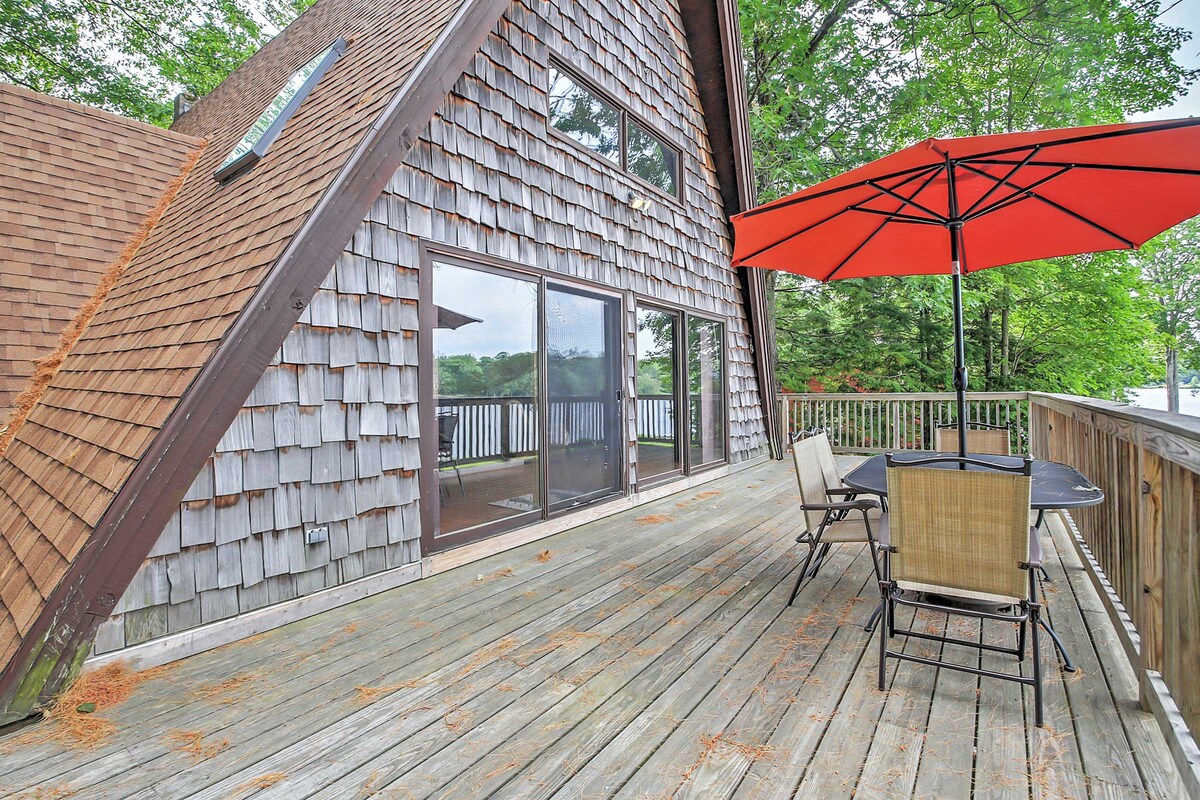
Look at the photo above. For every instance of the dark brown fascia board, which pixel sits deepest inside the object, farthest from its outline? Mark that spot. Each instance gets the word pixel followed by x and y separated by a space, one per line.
pixel 714 35
pixel 129 527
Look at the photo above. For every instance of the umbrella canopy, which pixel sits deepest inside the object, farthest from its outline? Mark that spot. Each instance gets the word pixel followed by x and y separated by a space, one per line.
pixel 453 320
pixel 950 206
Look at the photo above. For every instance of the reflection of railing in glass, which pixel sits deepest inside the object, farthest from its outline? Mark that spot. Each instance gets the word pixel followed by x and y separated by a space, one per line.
pixel 656 418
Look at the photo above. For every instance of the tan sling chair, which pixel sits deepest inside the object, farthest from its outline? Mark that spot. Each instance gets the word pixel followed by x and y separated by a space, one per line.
pixel 981 438
pixel 828 521
pixel 962 534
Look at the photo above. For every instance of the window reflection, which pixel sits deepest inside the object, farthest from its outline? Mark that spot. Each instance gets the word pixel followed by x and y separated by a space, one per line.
pixel 706 391
pixel 584 117
pixel 485 343
pixel 651 159
pixel 658 447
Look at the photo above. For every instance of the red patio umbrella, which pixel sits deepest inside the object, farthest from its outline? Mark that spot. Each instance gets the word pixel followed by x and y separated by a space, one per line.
pixel 951 206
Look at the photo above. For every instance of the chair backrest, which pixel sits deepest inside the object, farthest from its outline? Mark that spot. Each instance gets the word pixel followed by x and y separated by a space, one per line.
pixel 812 475
pixel 447 425
pixel 985 441
pixel 960 529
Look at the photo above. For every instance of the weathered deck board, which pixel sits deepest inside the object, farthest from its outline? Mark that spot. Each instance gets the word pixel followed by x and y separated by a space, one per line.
pixel 651 659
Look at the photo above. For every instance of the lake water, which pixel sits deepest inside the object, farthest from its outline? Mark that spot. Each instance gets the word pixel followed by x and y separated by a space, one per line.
pixel 1189 400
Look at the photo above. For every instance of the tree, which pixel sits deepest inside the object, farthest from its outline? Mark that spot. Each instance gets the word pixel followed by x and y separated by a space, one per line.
pixel 835 83
pixel 133 57
pixel 1171 268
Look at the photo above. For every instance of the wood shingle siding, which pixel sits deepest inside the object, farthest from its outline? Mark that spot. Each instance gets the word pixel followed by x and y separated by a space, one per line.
pixel 328 436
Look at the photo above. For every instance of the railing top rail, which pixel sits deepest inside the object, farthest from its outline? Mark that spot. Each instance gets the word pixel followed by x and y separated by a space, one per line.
pixel 1181 425
pixel 880 396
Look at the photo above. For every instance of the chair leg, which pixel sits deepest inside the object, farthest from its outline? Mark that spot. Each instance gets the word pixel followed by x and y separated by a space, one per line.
pixel 1035 619
pixel 458 473
pixel 812 548
pixel 1021 640
pixel 883 636
pixel 820 560
pixel 874 620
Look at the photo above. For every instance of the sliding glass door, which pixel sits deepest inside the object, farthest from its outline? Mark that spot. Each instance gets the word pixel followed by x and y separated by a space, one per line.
pixel 706 392
pixel 582 378
pixel 525 405
pixel 486 389
pixel 659 451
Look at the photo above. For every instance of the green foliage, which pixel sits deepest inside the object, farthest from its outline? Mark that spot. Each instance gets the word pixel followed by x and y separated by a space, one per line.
pixel 133 57
pixel 836 83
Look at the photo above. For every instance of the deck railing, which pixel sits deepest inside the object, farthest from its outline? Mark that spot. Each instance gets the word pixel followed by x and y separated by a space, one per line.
pixel 878 422
pixel 1143 541
pixel 1146 535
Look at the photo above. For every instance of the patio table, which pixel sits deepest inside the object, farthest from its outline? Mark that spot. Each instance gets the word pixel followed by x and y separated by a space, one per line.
pixel 1054 486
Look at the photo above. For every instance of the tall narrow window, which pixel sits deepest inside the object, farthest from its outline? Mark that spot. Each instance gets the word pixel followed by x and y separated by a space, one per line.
pixel 485 347
pixel 659 452
pixel 706 391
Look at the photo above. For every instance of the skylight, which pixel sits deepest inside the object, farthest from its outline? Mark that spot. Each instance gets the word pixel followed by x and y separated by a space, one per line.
pixel 253 146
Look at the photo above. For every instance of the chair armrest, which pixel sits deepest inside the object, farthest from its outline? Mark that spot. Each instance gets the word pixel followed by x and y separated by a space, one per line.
pixel 841 491
pixel 846 505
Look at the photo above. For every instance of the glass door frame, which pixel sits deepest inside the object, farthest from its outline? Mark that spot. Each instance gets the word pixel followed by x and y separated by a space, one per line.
pixel 432 540
pixel 680 379
pixel 683 420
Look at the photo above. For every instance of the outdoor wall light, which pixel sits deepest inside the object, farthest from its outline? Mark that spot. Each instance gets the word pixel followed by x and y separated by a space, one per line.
pixel 639 203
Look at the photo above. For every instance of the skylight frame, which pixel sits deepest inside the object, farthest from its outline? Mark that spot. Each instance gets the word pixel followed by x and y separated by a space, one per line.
pixel 248 159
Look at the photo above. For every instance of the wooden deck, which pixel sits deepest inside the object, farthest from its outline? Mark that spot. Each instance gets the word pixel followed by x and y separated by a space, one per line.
pixel 648 655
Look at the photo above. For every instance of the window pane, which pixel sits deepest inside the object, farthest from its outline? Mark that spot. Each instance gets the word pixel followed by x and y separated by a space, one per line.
pixel 658 446
pixel 584 117
pixel 652 159
pixel 706 391
pixel 581 381
pixel 485 347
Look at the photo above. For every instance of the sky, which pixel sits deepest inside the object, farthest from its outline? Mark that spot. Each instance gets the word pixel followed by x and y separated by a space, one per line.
pixel 1184 14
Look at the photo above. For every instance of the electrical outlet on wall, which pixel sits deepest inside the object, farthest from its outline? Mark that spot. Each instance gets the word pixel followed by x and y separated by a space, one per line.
pixel 316 535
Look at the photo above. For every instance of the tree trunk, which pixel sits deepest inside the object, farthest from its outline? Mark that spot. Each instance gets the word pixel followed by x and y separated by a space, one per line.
pixel 1172 380
pixel 989 350
pixel 1004 371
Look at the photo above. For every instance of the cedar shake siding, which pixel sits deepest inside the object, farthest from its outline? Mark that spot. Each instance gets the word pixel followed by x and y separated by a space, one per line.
pixel 330 434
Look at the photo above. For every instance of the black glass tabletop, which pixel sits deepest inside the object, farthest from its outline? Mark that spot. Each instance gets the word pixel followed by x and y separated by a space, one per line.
pixel 1055 485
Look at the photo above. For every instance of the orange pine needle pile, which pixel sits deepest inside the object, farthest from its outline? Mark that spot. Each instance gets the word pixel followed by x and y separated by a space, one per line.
pixel 193 744
pixel 369 694
pixel 103 688
pixel 654 519
pixel 543 557
pixel 227 692
pixel 265 781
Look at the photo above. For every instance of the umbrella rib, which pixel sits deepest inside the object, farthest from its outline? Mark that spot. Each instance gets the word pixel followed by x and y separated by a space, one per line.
pixel 913 173
pixel 1109 167
pixel 908 201
pixel 1166 126
pixel 874 233
pixel 1016 168
pixel 1015 197
pixel 829 218
pixel 895 216
pixel 1059 206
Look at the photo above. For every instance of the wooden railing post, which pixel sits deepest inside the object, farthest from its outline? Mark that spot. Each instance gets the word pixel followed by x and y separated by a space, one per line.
pixel 1150 559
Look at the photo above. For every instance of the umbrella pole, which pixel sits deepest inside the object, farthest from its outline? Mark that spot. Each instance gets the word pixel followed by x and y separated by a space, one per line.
pixel 960 350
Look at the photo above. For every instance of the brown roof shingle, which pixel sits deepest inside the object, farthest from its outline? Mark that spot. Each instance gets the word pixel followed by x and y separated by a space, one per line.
pixel 189 282
pixel 75 185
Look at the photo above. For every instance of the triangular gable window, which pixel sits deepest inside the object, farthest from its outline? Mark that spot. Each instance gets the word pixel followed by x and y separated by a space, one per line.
pixel 253 146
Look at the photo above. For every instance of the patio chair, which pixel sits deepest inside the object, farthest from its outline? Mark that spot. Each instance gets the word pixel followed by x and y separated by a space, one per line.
pixel 981 438
pixel 826 521
pixel 447 429
pixel 962 537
